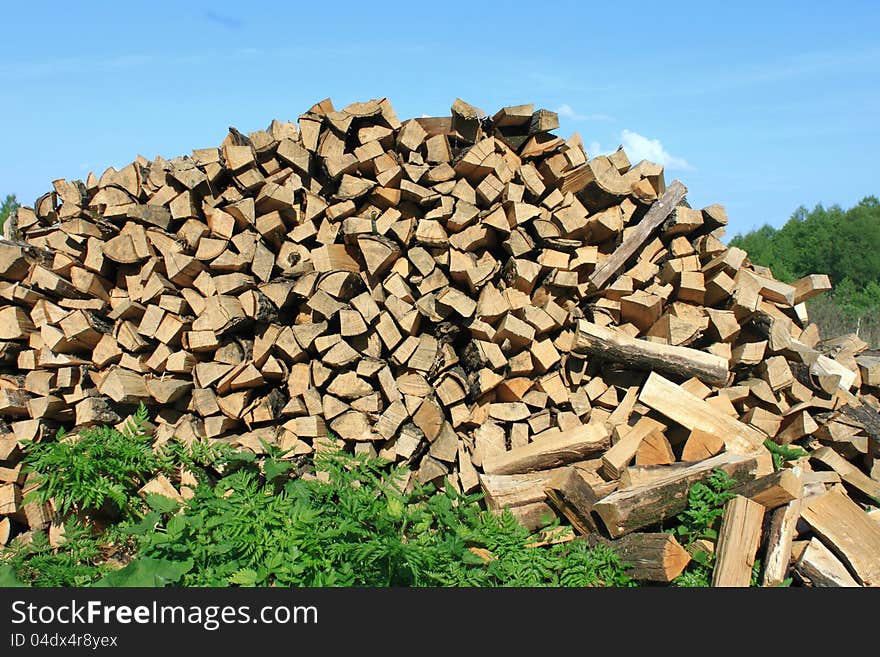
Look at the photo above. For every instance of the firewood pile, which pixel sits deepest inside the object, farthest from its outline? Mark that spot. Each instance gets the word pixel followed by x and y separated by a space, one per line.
pixel 470 295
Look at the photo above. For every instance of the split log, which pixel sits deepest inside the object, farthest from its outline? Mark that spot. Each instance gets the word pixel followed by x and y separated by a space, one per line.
pixel 561 449
pixel 818 565
pixel 624 450
pixel 573 497
pixel 851 475
pixel 651 557
pixel 773 490
pixel 655 216
pixel 848 531
pixel 738 541
pixel 781 531
pixel 629 509
pixel 615 346
pixel 693 413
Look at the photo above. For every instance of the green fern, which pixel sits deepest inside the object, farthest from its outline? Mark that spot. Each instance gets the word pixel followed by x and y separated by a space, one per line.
pixel 782 453
pixel 700 521
pixel 97 470
pixel 258 525
pixel 78 562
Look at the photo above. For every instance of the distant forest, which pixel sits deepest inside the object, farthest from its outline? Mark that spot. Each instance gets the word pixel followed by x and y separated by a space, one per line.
pixel 845 244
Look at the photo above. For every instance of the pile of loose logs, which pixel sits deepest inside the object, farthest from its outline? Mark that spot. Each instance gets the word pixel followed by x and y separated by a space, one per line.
pixel 469 295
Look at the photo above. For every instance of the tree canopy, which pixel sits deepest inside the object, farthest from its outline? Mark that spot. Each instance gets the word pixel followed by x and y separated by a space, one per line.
pixel 845 244
pixel 7 208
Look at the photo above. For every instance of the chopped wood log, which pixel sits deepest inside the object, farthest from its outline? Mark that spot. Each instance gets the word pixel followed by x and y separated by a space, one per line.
pixel 810 286
pixel 651 557
pixel 654 450
pixel 818 565
pixel 504 491
pixel 625 449
pixel 655 216
pixel 124 387
pixel 630 509
pixel 617 347
pixel 701 445
pixel 738 541
pixel 573 497
pixel 560 449
pixel 693 413
pixel 869 368
pixel 848 532
pixel 851 475
pixel 160 485
pixel 773 490
pixel 781 531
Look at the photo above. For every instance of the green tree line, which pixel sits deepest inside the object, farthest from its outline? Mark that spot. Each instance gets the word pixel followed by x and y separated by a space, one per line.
pixel 843 243
pixel 7 208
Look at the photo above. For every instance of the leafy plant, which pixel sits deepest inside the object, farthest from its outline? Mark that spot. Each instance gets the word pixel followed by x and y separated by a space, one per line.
pixel 705 507
pixel 8 208
pixel 358 529
pixel 349 523
pixel 80 561
pixel 98 469
pixel 699 521
pixel 782 453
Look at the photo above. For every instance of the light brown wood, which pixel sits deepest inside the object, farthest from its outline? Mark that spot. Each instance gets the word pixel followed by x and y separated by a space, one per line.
pixel 848 532
pixel 818 565
pixel 810 286
pixel 572 495
pixel 738 541
pixel 654 450
pixel 780 532
pixel 701 445
pixel 654 557
pixel 773 490
pixel 563 448
pixel 624 450
pixel 693 413
pixel 630 509
pixel 658 213
pixel 850 474
pixel 617 347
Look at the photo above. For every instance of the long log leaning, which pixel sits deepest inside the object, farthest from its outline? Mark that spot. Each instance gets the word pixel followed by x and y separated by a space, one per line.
pixel 618 347
pixel 652 220
pixel 693 413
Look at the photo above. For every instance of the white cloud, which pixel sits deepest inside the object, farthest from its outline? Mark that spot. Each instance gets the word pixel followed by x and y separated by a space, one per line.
pixel 594 148
pixel 566 111
pixel 638 147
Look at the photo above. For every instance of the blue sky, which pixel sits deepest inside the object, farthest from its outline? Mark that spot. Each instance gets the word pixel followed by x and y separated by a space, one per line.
pixel 759 106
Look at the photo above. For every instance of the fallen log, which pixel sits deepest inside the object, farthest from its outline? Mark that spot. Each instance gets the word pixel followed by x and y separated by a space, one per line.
pixel 619 348
pixel 627 510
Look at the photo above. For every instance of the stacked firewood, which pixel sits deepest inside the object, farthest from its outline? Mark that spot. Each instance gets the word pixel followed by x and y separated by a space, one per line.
pixel 469 295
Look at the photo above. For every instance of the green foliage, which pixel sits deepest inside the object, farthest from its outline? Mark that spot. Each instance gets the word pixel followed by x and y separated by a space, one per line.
pixel 700 521
pixel 358 529
pixel 845 244
pixel 7 208
pixel 99 469
pixel 705 507
pixel 783 453
pixel 146 572
pixel 258 525
pixel 79 562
